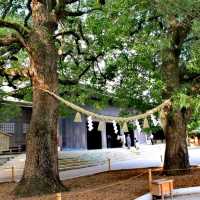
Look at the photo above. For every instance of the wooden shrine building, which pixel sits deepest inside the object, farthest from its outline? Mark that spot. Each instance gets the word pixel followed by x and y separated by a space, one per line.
pixel 71 135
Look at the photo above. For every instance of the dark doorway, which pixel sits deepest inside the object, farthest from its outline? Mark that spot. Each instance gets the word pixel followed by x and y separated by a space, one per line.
pixel 112 141
pixel 158 135
pixel 131 133
pixel 94 137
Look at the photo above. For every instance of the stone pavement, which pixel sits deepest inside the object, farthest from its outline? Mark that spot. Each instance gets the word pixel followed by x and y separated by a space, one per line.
pixel 186 197
pixel 6 169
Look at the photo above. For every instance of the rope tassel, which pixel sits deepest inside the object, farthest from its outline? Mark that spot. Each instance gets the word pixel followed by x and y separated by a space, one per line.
pixel 101 126
pixel 77 117
pixel 125 127
pixel 163 119
pixel 146 123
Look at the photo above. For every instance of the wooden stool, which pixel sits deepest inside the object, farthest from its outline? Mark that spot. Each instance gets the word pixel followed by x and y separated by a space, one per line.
pixel 162 187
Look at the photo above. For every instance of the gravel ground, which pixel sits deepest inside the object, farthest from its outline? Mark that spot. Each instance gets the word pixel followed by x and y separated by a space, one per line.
pixel 114 185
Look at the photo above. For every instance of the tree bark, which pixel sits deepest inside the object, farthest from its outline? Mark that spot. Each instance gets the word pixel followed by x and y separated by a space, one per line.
pixel 176 153
pixel 41 173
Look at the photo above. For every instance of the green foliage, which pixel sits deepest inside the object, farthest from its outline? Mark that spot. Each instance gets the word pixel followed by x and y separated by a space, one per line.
pixel 179 8
pixel 9 111
pixel 133 42
pixel 65 112
pixel 130 36
pixel 194 127
pixel 17 11
pixel 182 100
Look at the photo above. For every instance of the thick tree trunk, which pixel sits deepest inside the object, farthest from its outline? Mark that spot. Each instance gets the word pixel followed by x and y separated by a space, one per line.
pixel 41 173
pixel 176 153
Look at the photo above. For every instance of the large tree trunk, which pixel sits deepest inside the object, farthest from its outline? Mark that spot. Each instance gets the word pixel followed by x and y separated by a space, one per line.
pixel 176 153
pixel 41 173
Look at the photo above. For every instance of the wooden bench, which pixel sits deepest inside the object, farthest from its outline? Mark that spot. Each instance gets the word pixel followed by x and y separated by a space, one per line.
pixel 14 149
pixel 162 187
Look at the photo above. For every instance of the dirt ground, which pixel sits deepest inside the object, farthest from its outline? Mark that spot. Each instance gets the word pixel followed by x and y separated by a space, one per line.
pixel 113 185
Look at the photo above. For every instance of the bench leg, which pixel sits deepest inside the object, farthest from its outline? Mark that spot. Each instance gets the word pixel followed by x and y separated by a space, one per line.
pixel 162 192
pixel 171 191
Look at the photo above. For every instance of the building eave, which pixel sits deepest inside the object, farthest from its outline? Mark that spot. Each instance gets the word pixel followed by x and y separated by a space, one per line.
pixel 3 133
pixel 18 102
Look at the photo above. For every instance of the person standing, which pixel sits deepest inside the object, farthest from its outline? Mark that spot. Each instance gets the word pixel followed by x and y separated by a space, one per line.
pixel 128 141
pixel 151 138
pixel 135 142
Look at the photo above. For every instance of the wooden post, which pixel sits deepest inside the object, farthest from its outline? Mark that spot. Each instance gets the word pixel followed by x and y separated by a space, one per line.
pixel 150 179
pixel 196 142
pixel 171 189
pixel 162 192
pixel 13 174
pixel 161 159
pixel 109 164
pixel 58 196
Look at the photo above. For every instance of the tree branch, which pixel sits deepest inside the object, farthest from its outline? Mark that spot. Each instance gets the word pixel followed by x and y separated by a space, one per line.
pixel 80 27
pixel 15 26
pixel 195 38
pixel 141 23
pixel 75 81
pixel 196 87
pixel 12 75
pixel 70 1
pixel 73 33
pixel 79 12
pixel 92 59
pixel 83 72
pixel 70 53
pixel 18 93
pixel 61 3
pixel 68 81
pixel 8 40
pixel 60 7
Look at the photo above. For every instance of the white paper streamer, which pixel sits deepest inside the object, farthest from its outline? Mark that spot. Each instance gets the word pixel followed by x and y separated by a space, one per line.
pixel 115 127
pixel 90 124
pixel 138 126
pixel 154 120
